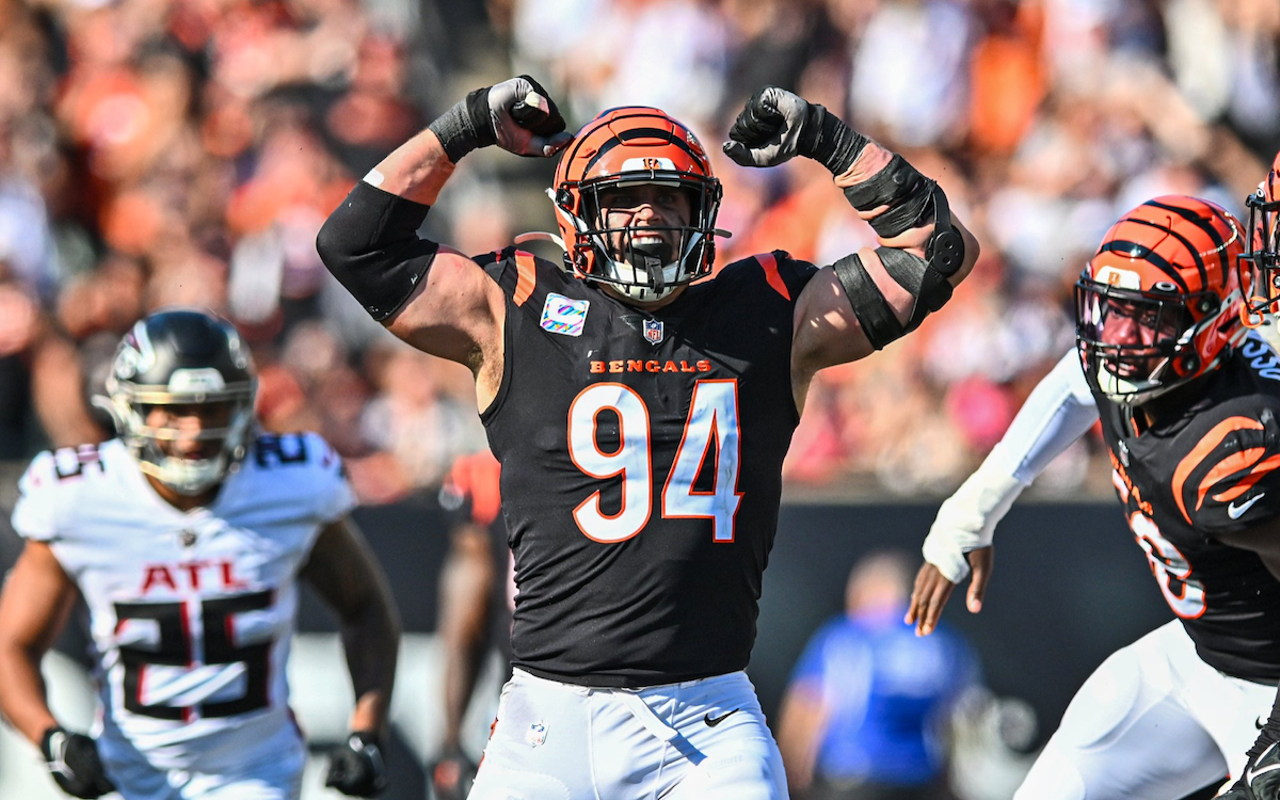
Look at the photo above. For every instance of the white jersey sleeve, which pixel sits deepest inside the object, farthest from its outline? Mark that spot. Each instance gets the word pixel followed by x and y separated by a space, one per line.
pixel 336 498
pixel 48 488
pixel 1058 411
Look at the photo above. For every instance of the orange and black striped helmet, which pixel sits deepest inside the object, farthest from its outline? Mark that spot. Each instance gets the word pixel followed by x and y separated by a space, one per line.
pixel 1159 303
pixel 1262 250
pixel 624 147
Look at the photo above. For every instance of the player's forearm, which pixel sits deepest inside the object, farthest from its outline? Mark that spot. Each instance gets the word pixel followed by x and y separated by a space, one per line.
pixel 465 587
pixel 924 251
pixel 23 693
pixel 371 640
pixel 416 170
pixel 1057 413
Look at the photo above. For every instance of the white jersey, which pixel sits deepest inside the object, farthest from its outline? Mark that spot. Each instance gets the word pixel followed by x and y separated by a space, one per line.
pixel 190 613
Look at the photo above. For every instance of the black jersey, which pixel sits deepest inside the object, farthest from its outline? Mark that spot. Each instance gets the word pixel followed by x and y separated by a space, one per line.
pixel 1207 471
pixel 641 467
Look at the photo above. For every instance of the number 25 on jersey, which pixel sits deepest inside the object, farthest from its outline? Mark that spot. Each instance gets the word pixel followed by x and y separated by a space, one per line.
pixel 712 422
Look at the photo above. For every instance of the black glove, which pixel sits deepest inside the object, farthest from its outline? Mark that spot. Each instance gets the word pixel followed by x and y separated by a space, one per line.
pixel 73 760
pixel 517 115
pixel 452 776
pixel 356 766
pixel 1261 778
pixel 776 125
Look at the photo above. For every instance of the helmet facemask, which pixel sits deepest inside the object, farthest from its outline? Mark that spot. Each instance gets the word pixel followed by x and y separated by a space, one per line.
pixel 647 262
pixel 1138 345
pixel 1262 254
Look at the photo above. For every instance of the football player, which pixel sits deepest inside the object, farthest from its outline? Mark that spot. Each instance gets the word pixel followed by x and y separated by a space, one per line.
pixel 185 536
pixel 640 414
pixel 475 606
pixel 1261 777
pixel 1189 402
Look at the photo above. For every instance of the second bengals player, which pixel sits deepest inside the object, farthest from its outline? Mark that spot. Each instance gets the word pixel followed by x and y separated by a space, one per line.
pixel 1189 402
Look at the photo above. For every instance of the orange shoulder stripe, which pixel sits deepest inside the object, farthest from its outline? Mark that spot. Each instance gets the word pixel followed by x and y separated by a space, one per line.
pixel 528 277
pixel 769 263
pixel 1248 482
pixel 1205 446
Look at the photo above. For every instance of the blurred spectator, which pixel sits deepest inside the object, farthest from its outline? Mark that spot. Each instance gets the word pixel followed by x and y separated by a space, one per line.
pixel 867 712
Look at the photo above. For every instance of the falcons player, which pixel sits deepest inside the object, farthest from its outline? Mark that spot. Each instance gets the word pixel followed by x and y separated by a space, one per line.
pixel 1189 402
pixel 185 537
pixel 640 414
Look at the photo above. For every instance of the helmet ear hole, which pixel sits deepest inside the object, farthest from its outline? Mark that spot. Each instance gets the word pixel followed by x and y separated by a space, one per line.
pixel 1189 364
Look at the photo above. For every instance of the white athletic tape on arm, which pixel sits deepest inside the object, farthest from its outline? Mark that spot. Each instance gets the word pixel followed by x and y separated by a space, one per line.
pixel 967 519
pixel 1058 411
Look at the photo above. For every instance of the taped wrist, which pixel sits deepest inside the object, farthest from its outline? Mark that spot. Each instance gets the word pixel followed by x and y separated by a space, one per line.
pixel 828 140
pixel 908 195
pixel 370 244
pixel 466 126
pixel 967 519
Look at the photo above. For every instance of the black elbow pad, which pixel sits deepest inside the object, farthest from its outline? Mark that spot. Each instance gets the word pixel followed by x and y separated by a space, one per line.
pixel 370 243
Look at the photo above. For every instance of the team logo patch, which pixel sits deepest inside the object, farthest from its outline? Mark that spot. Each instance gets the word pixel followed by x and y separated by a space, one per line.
pixel 653 331
pixel 536 735
pixel 1119 278
pixel 564 315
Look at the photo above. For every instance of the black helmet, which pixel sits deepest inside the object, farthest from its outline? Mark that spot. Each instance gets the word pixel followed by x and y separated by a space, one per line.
pixel 182 356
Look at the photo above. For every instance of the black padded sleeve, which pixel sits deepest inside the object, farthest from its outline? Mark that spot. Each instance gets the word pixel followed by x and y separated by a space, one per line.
pixel 370 243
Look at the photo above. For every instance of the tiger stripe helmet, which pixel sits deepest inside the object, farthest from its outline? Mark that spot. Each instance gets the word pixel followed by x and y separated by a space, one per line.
pixel 1159 304
pixel 1262 250
pixel 627 146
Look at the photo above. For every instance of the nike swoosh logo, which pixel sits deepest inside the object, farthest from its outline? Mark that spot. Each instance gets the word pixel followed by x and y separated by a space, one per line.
pixel 1236 511
pixel 712 722
pixel 1251 774
pixel 1260 722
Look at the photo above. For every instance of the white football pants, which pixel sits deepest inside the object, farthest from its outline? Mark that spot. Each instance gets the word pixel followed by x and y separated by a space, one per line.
pixel 1154 722
pixel 699 740
pixel 267 770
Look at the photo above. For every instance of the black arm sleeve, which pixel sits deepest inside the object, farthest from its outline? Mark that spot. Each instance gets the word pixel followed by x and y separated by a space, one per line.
pixel 370 243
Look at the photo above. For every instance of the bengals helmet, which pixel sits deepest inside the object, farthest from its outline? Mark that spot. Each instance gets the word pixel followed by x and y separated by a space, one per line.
pixel 1158 304
pixel 624 147
pixel 1263 247
pixel 182 357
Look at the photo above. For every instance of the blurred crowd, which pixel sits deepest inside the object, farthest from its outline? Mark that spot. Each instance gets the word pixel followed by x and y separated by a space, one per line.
pixel 160 152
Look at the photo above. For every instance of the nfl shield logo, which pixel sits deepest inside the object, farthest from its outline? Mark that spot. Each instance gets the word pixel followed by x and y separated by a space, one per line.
pixel 653 331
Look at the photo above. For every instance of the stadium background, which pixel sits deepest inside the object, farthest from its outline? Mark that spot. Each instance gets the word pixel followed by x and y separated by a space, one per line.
pixel 155 152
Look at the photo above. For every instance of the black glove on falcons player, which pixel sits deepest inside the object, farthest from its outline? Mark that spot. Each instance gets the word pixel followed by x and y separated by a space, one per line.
pixel 356 766
pixel 776 125
pixel 517 115
pixel 73 760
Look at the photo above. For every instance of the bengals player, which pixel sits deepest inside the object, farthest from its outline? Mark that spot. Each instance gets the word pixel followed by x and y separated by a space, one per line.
pixel 1262 247
pixel 1189 402
pixel 640 407
pixel 1261 779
